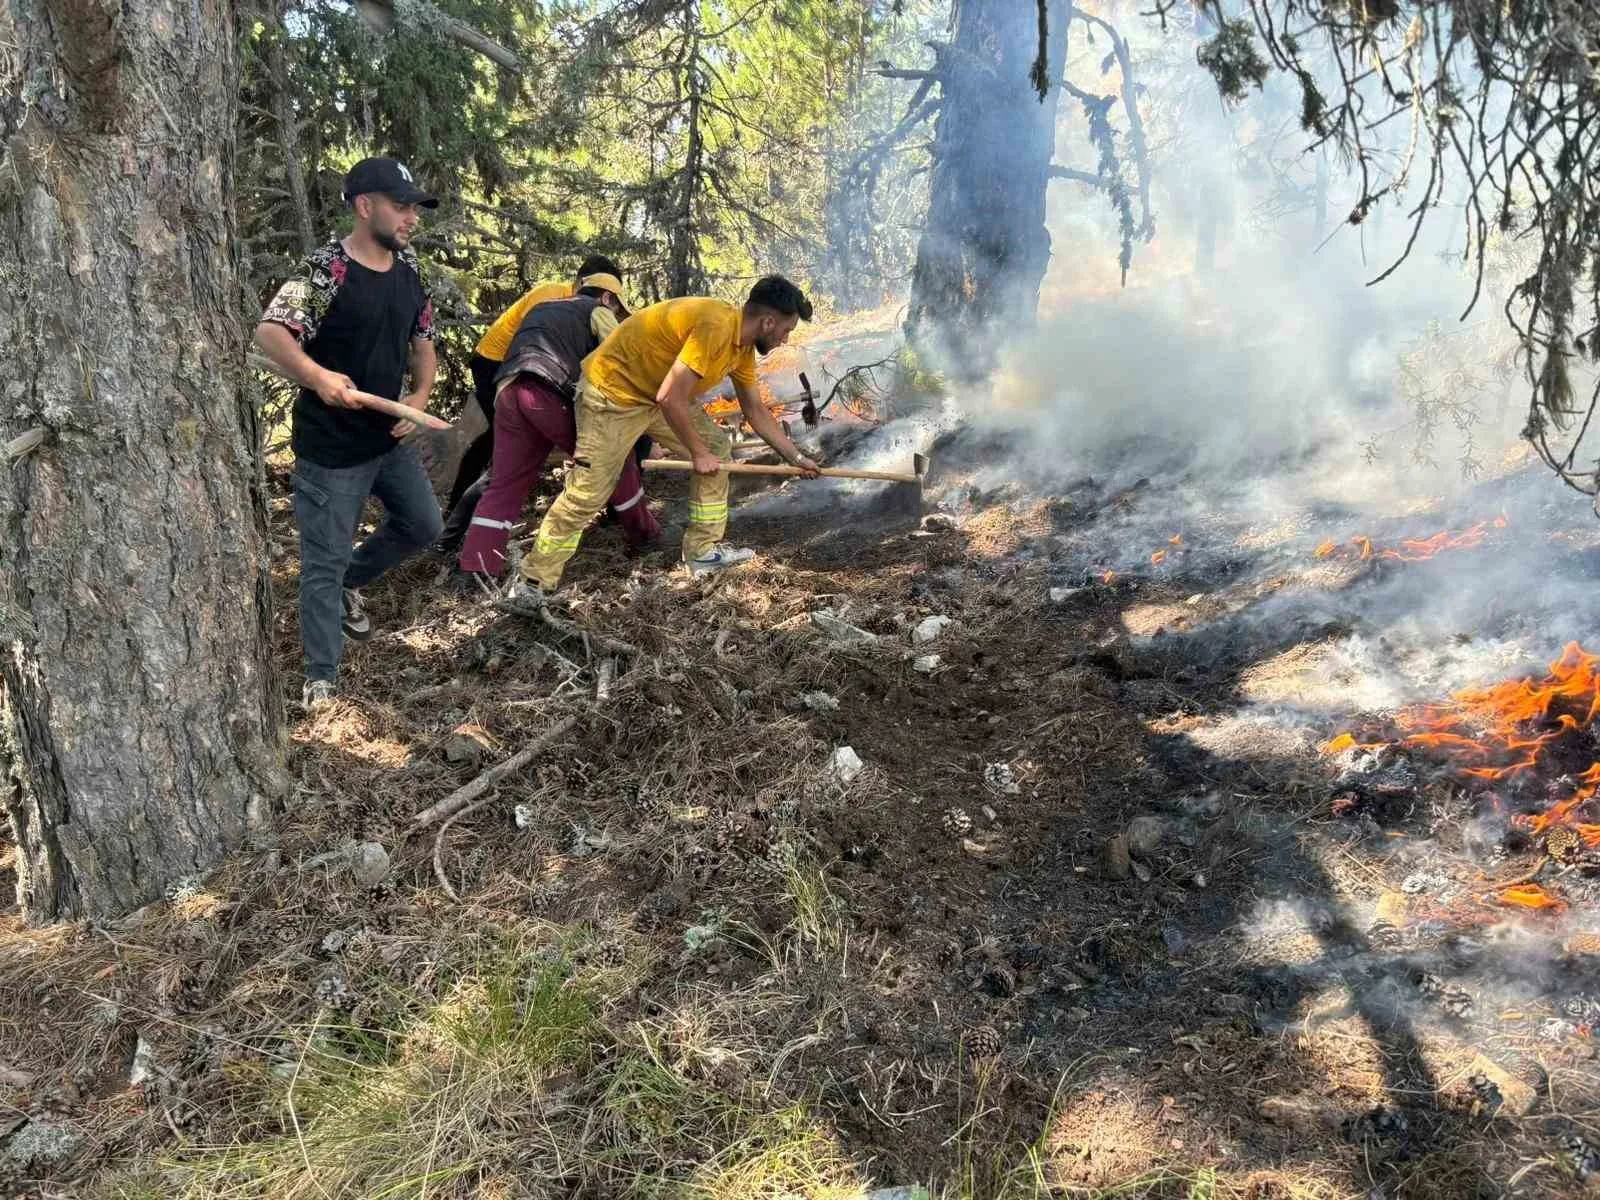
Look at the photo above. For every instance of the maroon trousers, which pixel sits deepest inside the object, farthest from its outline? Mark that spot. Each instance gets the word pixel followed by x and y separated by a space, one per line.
pixel 530 420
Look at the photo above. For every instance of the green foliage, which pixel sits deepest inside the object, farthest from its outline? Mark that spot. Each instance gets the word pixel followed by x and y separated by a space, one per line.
pixel 695 140
pixel 1233 59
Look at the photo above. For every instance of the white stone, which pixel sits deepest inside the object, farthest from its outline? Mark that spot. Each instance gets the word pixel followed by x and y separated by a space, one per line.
pixel 369 863
pixel 143 1068
pixel 1062 595
pixel 929 628
pixel 846 764
pixel 926 663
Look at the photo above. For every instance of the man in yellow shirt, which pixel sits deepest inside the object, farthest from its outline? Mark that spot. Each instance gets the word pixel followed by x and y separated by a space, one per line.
pixel 646 379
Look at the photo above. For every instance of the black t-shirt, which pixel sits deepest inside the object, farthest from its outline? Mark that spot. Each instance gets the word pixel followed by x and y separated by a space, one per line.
pixel 360 322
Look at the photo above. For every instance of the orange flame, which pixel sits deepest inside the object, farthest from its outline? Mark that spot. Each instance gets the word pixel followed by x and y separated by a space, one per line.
pixel 1485 732
pixel 1108 577
pixel 1159 557
pixel 1414 549
pixel 1529 895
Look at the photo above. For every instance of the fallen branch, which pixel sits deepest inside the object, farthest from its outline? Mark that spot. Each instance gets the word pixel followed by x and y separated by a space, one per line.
pixel 470 791
pixel 572 629
pixel 438 848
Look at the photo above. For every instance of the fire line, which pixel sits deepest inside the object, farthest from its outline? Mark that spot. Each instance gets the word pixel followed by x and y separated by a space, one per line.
pixel 1360 546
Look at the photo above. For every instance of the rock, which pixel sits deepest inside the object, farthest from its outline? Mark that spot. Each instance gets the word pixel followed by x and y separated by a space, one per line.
pixel 929 628
pixel 845 764
pixel 469 744
pixel 841 631
pixel 1119 865
pixel 926 663
pixel 1063 594
pixel 819 702
pixel 12 1077
pixel 523 816
pixel 1205 807
pixel 913 1191
pixel 143 1068
pixel 938 522
pixel 1145 835
pixel 1303 1114
pixel 369 863
pixel 1517 1096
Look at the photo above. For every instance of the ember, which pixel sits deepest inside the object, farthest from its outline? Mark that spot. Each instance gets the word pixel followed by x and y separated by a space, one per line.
pixel 1412 549
pixel 1160 556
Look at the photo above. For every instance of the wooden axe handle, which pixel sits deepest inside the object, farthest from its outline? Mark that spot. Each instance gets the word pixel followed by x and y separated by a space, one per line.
pixel 739 468
pixel 403 412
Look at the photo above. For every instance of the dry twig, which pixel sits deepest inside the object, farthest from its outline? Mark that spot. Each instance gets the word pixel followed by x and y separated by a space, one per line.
pixel 470 791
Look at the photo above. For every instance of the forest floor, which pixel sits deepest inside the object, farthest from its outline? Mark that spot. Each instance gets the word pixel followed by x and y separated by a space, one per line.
pixel 1027 949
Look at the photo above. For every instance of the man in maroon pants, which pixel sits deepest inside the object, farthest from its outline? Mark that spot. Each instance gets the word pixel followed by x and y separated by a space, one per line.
pixel 533 415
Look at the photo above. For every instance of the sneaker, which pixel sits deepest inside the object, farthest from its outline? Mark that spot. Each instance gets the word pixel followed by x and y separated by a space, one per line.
pixel 472 585
pixel 357 625
pixel 317 694
pixel 718 558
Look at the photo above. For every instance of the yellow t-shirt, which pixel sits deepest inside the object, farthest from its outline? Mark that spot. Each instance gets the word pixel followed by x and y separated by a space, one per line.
pixel 495 343
pixel 701 333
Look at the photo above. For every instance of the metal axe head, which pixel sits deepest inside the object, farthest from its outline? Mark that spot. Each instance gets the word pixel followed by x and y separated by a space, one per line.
pixel 808 411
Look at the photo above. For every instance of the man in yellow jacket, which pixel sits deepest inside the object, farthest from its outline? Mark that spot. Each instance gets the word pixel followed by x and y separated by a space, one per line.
pixel 646 378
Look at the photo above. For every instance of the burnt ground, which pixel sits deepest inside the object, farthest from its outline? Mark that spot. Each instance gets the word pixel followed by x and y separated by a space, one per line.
pixel 1076 928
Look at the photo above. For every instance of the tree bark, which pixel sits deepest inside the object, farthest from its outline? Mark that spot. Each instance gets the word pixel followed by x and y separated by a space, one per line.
pixel 984 249
pixel 289 136
pixel 138 715
pixel 684 275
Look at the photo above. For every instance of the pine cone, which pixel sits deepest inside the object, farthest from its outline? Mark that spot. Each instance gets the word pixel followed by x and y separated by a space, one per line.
pixel 727 829
pixel 333 991
pixel 956 822
pixel 980 1041
pixel 1563 844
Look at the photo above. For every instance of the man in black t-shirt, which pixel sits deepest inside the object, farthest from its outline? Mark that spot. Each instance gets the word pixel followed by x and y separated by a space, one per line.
pixel 357 319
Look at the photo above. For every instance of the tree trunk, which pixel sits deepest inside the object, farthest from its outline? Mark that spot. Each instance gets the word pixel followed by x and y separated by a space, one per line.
pixel 138 713
pixel 289 136
pixel 684 275
pixel 984 249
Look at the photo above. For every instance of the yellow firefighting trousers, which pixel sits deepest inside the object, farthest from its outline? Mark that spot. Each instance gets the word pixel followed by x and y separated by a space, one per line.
pixel 606 436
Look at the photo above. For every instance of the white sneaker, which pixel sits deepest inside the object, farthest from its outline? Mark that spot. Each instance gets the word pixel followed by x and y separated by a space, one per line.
pixel 357 625
pixel 718 558
pixel 317 694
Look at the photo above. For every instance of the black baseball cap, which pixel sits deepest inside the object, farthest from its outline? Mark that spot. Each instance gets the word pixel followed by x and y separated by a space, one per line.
pixel 386 175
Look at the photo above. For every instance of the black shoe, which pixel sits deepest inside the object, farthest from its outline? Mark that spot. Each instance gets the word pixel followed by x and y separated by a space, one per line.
pixel 472 585
pixel 357 625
